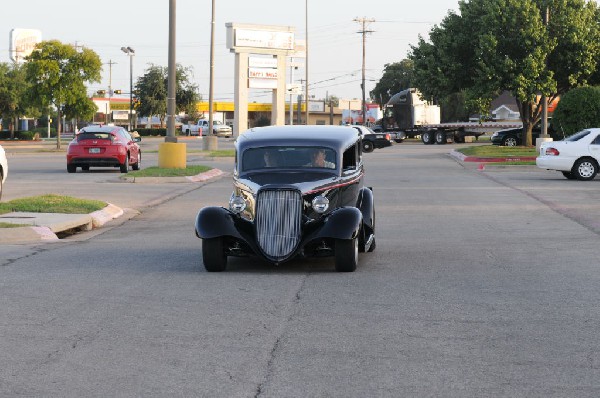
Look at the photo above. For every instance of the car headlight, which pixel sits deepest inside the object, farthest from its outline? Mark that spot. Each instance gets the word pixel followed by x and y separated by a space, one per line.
pixel 237 204
pixel 320 204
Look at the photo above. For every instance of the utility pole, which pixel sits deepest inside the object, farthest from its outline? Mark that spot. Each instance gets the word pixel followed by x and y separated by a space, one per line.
pixel 110 63
pixel 364 21
pixel 306 58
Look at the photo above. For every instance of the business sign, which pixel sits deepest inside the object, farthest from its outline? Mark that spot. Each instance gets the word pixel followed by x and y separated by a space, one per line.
pixel 262 62
pixel 22 43
pixel 276 40
pixel 262 72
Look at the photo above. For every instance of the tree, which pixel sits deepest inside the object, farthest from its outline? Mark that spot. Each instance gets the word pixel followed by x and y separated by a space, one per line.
pixel 151 92
pixel 13 86
pixel 396 77
pixel 578 109
pixel 496 45
pixel 58 73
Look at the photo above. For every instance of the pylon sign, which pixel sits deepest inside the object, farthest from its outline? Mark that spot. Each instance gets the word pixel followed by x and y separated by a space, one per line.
pixel 267 70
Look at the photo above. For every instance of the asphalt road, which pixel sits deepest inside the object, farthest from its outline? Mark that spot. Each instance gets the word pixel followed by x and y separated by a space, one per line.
pixel 484 283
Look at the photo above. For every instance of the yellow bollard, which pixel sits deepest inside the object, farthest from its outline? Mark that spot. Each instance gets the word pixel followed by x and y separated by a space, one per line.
pixel 172 155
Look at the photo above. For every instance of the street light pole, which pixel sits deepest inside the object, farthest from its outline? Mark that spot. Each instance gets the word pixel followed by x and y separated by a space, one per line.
pixel 130 52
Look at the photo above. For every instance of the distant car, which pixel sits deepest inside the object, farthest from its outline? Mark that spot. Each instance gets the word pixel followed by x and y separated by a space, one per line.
pixel 576 157
pixel 104 146
pixel 298 191
pixel 513 137
pixel 372 140
pixel 221 130
pixel 3 169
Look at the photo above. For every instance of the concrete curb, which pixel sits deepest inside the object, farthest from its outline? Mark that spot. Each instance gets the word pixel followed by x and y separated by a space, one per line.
pixel 202 177
pixel 464 158
pixel 45 226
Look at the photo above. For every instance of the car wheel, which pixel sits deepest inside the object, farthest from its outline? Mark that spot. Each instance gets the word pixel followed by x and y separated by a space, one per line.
pixel 569 175
pixel 137 164
pixel 125 165
pixel 187 132
pixel 0 186
pixel 367 146
pixel 440 137
pixel 509 141
pixel 346 255
pixel 398 140
pixel 428 138
pixel 213 255
pixel 585 169
pixel 71 168
pixel 85 168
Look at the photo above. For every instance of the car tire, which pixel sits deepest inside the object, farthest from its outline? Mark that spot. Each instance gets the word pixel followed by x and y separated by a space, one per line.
pixel 136 165
pixel 346 255
pixel 585 169
pixel 509 141
pixel 368 146
pixel 125 165
pixel 213 255
pixel 568 175
pixel 428 137
pixel 71 168
pixel 187 132
pixel 440 137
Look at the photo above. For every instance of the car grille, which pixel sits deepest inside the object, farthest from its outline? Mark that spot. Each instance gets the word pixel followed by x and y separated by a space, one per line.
pixel 278 222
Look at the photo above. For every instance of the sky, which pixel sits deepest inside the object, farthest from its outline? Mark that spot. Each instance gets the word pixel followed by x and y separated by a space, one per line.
pixel 334 41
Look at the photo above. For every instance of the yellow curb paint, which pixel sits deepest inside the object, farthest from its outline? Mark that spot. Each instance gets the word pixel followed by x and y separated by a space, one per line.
pixel 172 155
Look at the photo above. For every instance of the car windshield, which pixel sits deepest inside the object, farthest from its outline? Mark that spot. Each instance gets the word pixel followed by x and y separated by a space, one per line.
pixel 577 136
pixel 288 157
pixel 88 135
pixel 215 122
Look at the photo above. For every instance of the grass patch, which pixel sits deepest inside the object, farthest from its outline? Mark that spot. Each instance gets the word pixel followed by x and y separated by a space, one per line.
pixel 52 204
pixel 222 153
pixel 162 172
pixel 496 151
pixel 9 225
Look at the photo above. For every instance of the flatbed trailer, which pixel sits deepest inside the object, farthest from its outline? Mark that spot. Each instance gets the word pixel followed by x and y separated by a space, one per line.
pixel 443 133
pixel 407 115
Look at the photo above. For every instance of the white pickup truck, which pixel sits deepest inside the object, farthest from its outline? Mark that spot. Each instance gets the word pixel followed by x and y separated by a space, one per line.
pixel 201 128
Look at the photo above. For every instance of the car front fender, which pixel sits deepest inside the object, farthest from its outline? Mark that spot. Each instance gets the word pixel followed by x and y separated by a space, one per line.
pixel 343 223
pixel 212 222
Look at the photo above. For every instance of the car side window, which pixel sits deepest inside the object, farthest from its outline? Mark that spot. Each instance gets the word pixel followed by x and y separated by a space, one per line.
pixel 126 135
pixel 596 140
pixel 350 158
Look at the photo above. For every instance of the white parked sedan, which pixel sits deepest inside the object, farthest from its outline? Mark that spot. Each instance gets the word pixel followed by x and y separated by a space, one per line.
pixel 577 156
pixel 3 169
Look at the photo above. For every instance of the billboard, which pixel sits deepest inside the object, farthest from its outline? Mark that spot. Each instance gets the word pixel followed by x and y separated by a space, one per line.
pixel 22 43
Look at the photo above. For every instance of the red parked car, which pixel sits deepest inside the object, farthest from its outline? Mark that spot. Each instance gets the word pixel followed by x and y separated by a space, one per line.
pixel 104 146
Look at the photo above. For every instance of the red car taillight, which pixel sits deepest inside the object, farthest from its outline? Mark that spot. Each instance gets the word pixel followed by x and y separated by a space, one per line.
pixel 552 151
pixel 387 137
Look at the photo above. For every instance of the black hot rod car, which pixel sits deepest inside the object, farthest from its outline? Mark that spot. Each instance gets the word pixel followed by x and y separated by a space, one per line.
pixel 297 191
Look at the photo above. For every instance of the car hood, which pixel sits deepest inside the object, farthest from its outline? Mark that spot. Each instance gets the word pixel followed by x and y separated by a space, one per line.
pixel 305 182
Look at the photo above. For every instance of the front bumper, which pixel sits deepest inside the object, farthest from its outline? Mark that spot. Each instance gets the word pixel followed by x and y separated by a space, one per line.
pixel 241 240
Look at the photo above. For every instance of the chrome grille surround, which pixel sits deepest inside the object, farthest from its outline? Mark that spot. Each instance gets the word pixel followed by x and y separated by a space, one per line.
pixel 278 222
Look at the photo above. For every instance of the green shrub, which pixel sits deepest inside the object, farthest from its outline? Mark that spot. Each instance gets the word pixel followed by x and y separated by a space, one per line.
pixel 578 109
